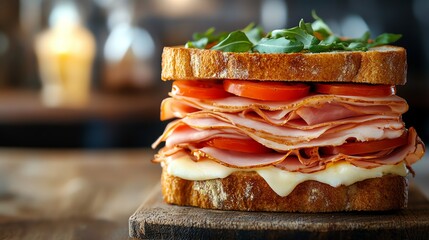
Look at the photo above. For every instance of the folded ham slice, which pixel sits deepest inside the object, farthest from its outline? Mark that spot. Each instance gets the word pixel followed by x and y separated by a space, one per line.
pixel 293 130
pixel 206 125
pixel 295 160
pixel 312 109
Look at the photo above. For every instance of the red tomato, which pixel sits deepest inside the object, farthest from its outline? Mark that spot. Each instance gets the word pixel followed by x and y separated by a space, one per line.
pixel 204 89
pixel 351 89
pixel 239 145
pixel 356 148
pixel 268 91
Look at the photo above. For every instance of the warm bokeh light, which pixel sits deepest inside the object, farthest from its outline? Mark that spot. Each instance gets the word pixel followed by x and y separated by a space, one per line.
pixel 65 54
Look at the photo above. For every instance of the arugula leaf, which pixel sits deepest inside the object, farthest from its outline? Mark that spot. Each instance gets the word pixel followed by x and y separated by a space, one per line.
pixel 302 36
pixel 302 33
pixel 207 34
pixel 321 48
pixel 365 37
pixel 306 27
pixel 328 44
pixel 200 40
pixel 313 37
pixel 301 30
pixel 254 34
pixel 235 42
pixel 249 27
pixel 278 45
pixel 202 43
pixel 385 38
pixel 357 46
pixel 320 26
pixel 333 43
pixel 331 39
pixel 277 33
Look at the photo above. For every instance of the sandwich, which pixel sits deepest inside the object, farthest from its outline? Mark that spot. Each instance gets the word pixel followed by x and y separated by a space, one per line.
pixel 295 120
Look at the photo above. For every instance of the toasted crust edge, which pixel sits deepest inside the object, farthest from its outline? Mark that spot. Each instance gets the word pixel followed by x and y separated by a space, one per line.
pixel 380 65
pixel 247 191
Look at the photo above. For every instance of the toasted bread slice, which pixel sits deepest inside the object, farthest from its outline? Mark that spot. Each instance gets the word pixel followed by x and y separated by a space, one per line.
pixel 380 65
pixel 247 191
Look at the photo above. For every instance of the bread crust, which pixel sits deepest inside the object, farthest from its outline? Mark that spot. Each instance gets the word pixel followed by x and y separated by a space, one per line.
pixel 380 65
pixel 247 191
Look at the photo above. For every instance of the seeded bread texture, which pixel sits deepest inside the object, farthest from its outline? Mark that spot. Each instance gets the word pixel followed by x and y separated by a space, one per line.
pixel 247 191
pixel 380 65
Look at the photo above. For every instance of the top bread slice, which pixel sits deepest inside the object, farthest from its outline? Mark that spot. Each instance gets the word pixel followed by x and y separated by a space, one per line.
pixel 379 65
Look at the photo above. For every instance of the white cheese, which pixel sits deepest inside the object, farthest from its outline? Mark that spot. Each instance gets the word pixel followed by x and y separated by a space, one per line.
pixel 283 182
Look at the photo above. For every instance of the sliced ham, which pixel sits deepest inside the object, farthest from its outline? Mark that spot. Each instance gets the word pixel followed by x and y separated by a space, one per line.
pixel 325 113
pixel 238 159
pixel 333 107
pixel 294 130
pixel 190 135
pixel 238 104
pixel 294 160
pixel 292 164
pixel 204 124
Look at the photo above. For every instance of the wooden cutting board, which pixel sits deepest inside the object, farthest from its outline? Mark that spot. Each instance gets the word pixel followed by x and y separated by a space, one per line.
pixel 158 220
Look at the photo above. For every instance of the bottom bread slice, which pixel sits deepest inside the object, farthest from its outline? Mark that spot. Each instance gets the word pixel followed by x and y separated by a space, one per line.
pixel 247 191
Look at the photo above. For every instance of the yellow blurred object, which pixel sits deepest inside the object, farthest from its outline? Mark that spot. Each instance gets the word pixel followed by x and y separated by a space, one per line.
pixel 65 54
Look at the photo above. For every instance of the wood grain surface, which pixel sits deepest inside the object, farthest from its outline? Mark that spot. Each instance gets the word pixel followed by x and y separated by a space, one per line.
pixel 63 229
pixel 72 194
pixel 157 220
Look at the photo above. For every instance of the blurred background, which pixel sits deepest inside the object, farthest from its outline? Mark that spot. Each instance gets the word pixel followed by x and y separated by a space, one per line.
pixel 106 55
pixel 84 75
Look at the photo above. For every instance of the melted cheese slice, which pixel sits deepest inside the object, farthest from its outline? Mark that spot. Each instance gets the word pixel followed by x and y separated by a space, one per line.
pixel 282 182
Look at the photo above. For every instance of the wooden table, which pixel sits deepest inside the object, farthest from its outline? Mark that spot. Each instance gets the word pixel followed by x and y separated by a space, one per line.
pixel 72 194
pixel 79 194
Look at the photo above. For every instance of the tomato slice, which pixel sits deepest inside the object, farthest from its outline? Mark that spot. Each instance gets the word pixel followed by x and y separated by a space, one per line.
pixel 351 89
pixel 268 91
pixel 356 148
pixel 239 145
pixel 204 89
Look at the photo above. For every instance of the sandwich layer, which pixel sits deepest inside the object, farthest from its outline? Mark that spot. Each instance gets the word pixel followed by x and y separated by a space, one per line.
pixel 380 65
pixel 281 182
pixel 248 191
